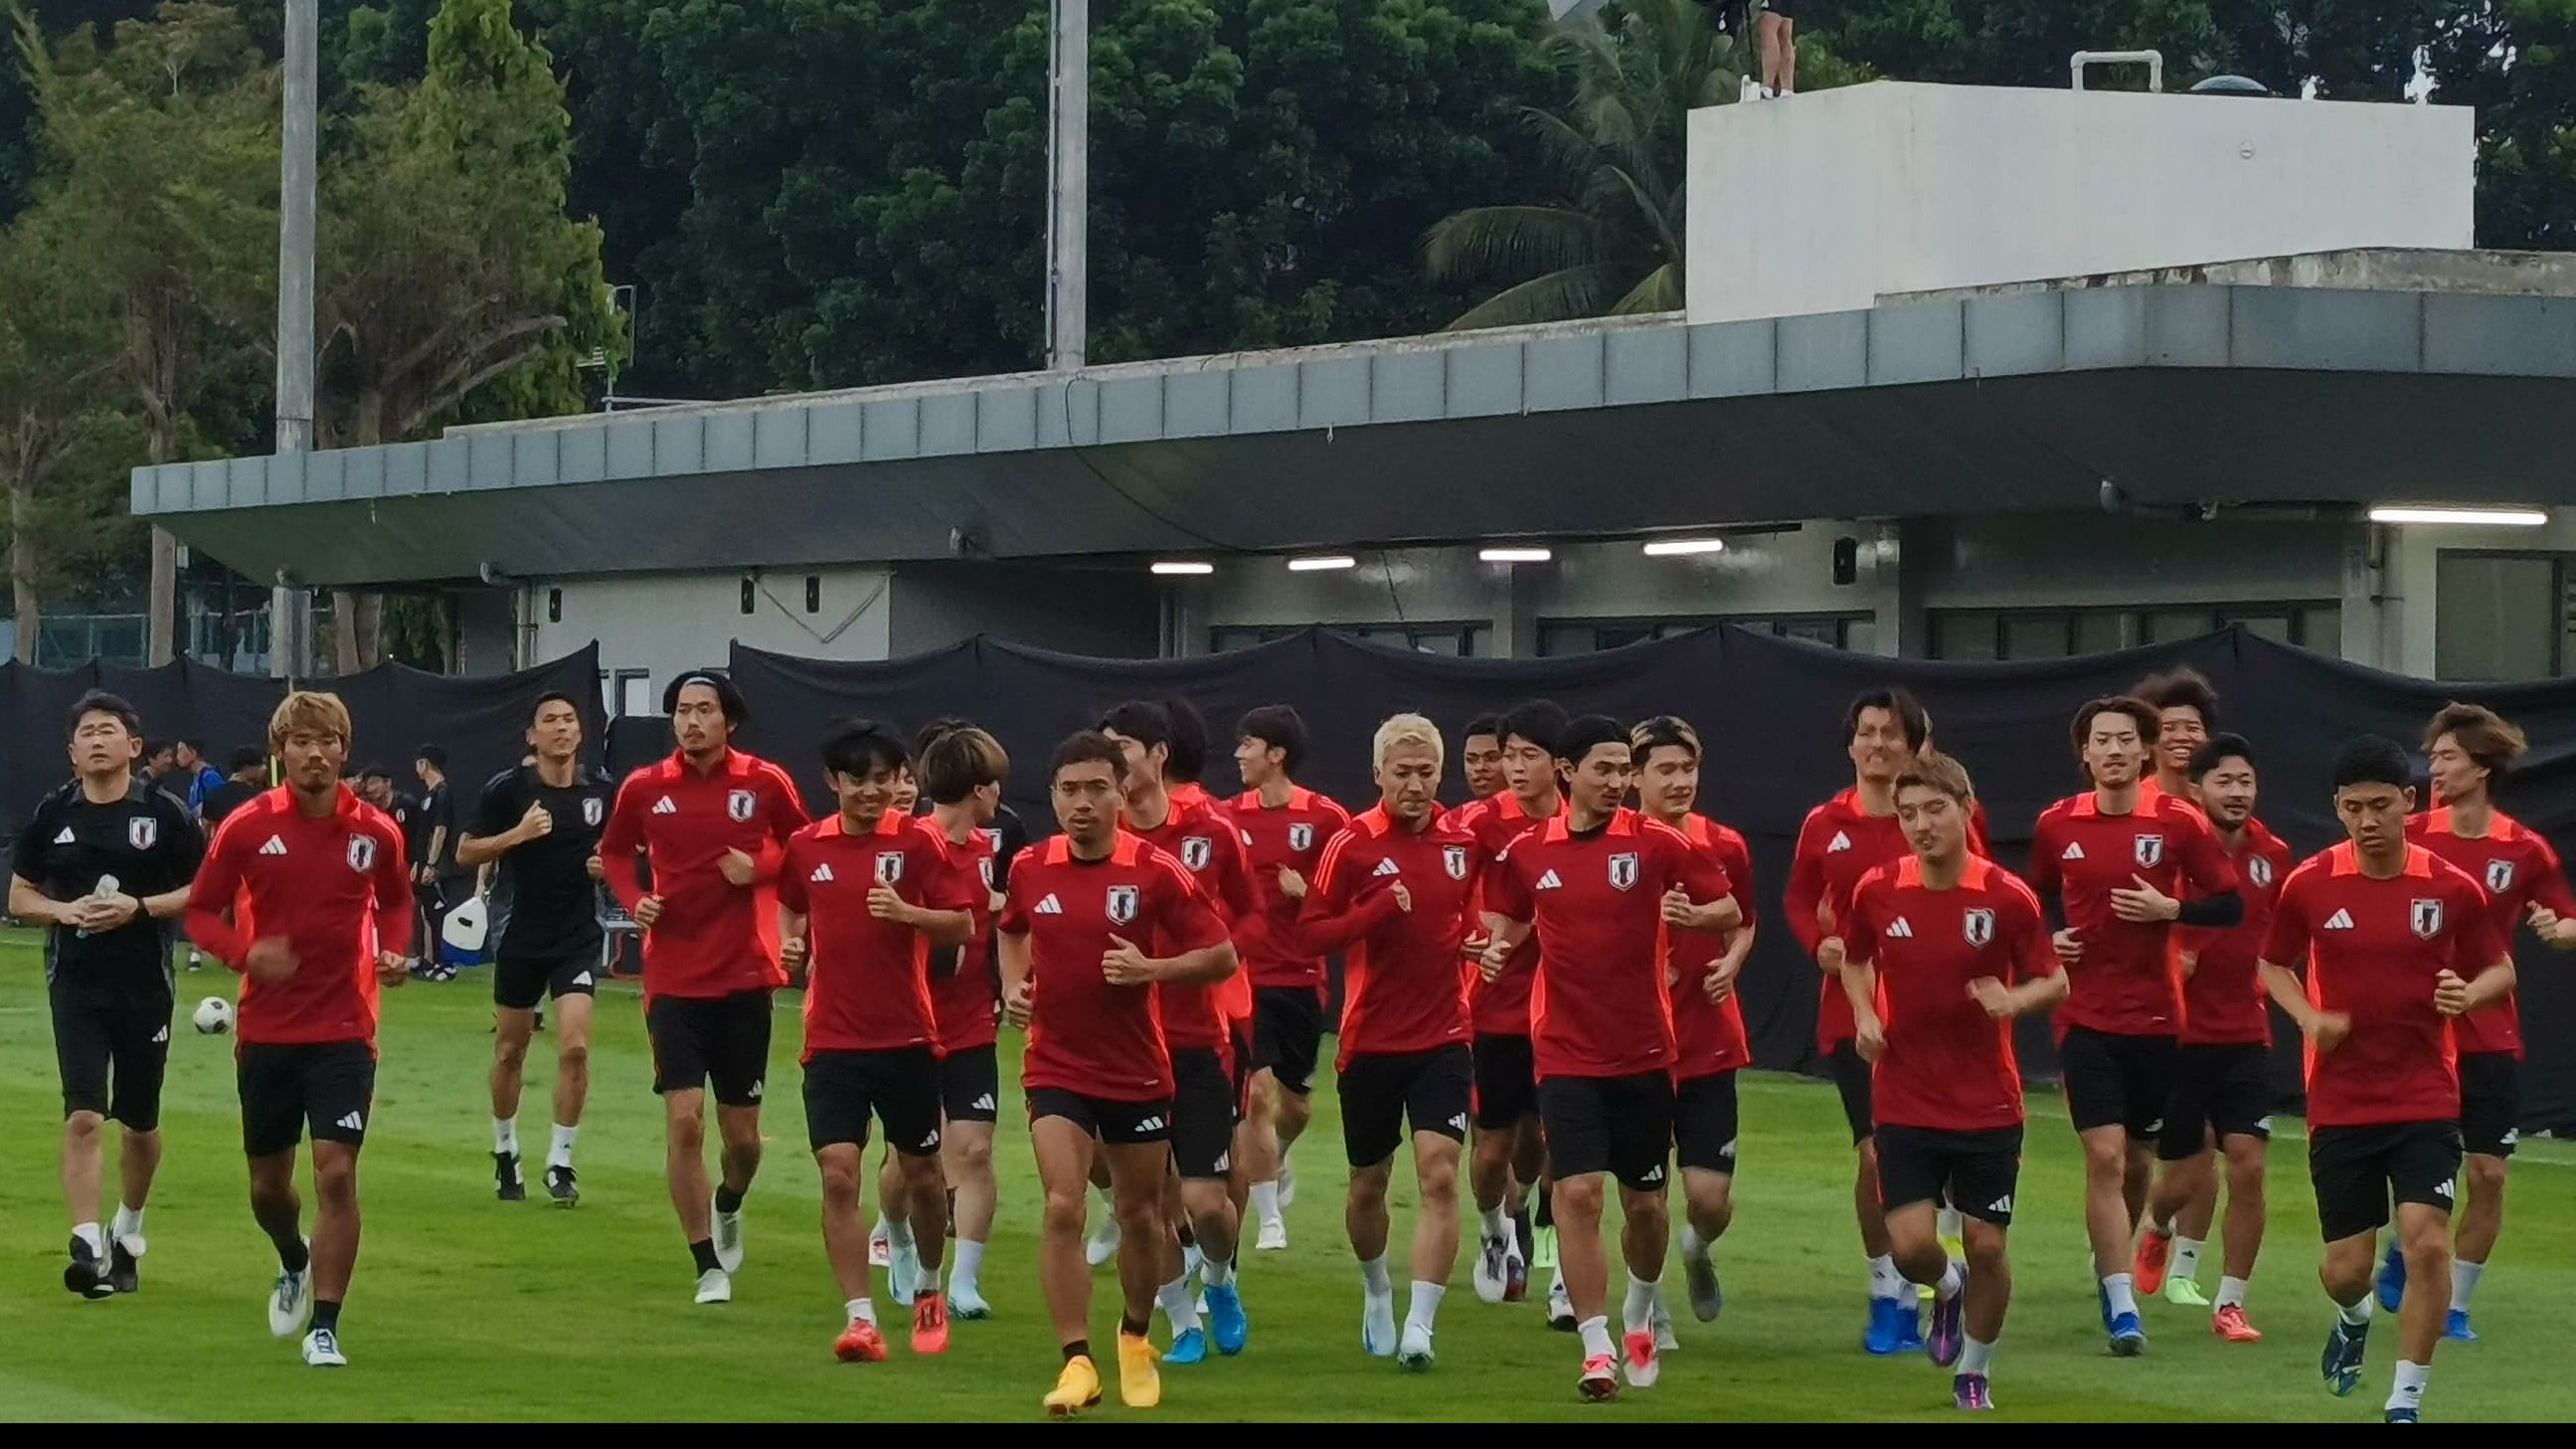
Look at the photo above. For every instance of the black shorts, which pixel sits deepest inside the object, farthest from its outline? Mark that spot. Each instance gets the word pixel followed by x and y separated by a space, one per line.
pixel 1978 1171
pixel 1119 1124
pixel 90 1040
pixel 1619 1125
pixel 520 983
pixel 970 1085
pixel 2221 1089
pixel 1380 1093
pixel 2117 1081
pixel 1287 1028
pixel 1203 1113
pixel 2357 1170
pixel 2490 1103
pixel 1506 1082
pixel 1851 1079
pixel 328 1088
pixel 1704 1121
pixel 901 1087
pixel 724 1041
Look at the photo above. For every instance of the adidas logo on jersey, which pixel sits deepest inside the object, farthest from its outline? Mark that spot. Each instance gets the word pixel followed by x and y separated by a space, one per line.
pixel 1548 882
pixel 1385 867
pixel 276 846
pixel 2074 851
pixel 822 874
pixel 984 1102
pixel 664 806
pixel 2341 920
pixel 1900 929
pixel 65 838
pixel 1839 842
pixel 353 1122
pixel 1050 906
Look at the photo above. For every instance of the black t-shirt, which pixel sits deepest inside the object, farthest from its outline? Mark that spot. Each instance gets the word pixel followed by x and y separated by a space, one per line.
pixel 437 809
pixel 223 800
pixel 150 844
pixel 554 904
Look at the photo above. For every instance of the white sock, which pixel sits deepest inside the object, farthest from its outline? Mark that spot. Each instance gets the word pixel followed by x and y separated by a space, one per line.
pixel 127 1228
pixel 1424 1305
pixel 505 1136
pixel 2124 1298
pixel 1265 1200
pixel 1193 1262
pixel 88 1233
pixel 2357 1315
pixel 1179 1305
pixel 1975 1356
pixel 1952 1280
pixel 2464 1281
pixel 898 1235
pixel 1373 1276
pixel 1497 1224
pixel 862 1310
pixel 560 1153
pixel 1884 1280
pixel 969 1262
pixel 1692 1244
pixel 2408 1391
pixel 1214 1274
pixel 1946 1221
pixel 1638 1314
pixel 1595 1333
pixel 2186 1258
pixel 2231 1292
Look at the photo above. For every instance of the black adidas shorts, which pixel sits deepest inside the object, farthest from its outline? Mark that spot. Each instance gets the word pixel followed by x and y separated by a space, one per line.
pixel 900 1087
pixel 1203 1113
pixel 724 1041
pixel 970 1084
pixel 2225 1090
pixel 1704 1123
pixel 2117 1081
pixel 1506 1082
pixel 90 1042
pixel 328 1088
pixel 1380 1092
pixel 1619 1125
pixel 2490 1102
pixel 520 983
pixel 1119 1124
pixel 1978 1171
pixel 1287 1031
pixel 2357 1171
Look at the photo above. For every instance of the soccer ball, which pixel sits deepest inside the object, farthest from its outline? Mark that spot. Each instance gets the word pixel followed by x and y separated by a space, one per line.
pixel 214 1016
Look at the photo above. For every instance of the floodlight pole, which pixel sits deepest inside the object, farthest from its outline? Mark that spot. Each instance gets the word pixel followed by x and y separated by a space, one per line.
pixel 1068 183
pixel 290 611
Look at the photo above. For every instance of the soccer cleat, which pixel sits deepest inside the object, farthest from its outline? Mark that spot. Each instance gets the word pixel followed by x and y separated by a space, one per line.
pixel 1543 1247
pixel 1700 1276
pixel 2128 1336
pixel 859 1343
pixel 1600 1381
pixel 290 1303
pixel 2455 1327
pixel 715 1286
pixel 322 1350
pixel 1377 1323
pixel 124 1270
pixel 1515 1275
pixel 562 1186
pixel 2231 1324
pixel 1642 1363
pixel 903 1273
pixel 1949 1325
pixel 505 1178
pixel 1560 1308
pixel 1879 1338
pixel 929 1323
pixel 728 1235
pixel 2102 1297
pixel 1140 1383
pixel 2185 1293
pixel 2401 1416
pixel 2392 1278
pixel 1970 1394
pixel 1103 1243
pixel 1661 1321
pixel 2341 1363
pixel 2147 1269
pixel 1413 1355
pixel 966 1303
pixel 1272 1238
pixel 1227 1327
pixel 85 1275
pixel 1488 1270
pixel 881 1252
pixel 1076 1388
pixel 1189 1346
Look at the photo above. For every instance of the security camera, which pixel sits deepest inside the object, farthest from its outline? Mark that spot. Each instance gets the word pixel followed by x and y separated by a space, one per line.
pixel 2110 496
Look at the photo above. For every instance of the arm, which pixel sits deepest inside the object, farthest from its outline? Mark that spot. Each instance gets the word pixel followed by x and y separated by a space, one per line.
pixel 209 920
pixel 1801 904
pixel 2487 988
pixel 2283 986
pixel 791 937
pixel 619 841
pixel 33 906
pixel 1336 913
pixel 1013 949
pixel 1205 966
pixel 393 898
pixel 2553 912
pixel 495 834
pixel 1860 988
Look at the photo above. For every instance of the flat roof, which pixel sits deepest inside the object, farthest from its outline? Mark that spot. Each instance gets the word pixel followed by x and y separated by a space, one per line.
pixel 2333 378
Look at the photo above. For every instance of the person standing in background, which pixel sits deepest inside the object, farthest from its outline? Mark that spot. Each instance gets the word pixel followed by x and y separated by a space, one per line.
pixel 435 874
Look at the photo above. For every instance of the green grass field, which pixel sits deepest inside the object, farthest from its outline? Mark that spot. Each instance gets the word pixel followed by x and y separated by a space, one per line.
pixel 466 1308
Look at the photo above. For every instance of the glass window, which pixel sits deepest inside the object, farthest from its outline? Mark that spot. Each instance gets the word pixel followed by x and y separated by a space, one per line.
pixel 1964 634
pixel 2275 627
pixel 2321 629
pixel 2101 631
pixel 2495 616
pixel 1861 635
pixel 1480 641
pixel 2164 626
pixel 1828 632
pixel 1444 641
pixel 2035 636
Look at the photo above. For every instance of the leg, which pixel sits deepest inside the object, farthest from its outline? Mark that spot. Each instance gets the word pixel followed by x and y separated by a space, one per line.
pixel 966 1153
pixel 335 1219
pixel 1865 1204
pixel 1989 1289
pixel 1489 1171
pixel 138 1160
pixel 894 1189
pixel 1579 1251
pixel 276 1208
pixel 2346 1268
pixel 80 1166
pixel 1708 1202
pixel 1256 1144
pixel 2482 1213
pixel 740 1129
pixel 684 1160
pixel 1364 1213
pixel 845 1229
pixel 2245 1204
pixel 926 1193
pixel 1645 1229
pixel 510 1032
pixel 1296 1109
pixel 1435 1229
pixel 2108 1220
pixel 572 1057
pixel 2138 1172
pixel 1210 1209
pixel 1771 26
pixel 1788 56
pixel 1065 1158
pixel 1914 1240
pixel 2424 1235
pixel 1136 1175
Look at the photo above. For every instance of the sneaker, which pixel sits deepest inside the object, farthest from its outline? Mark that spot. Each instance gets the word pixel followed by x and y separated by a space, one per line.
pixel 1140 1383
pixel 1879 1338
pixel 2128 1336
pixel 291 1301
pixel 2401 1416
pixel 2341 1362
pixel 1488 1270
pixel 1642 1364
pixel 1413 1355
pixel 1377 1323
pixel 2102 1299
pixel 563 1186
pixel 85 1275
pixel 966 1302
pixel 125 1275
pixel 859 1343
pixel 1599 1383
pixel 881 1252
pixel 728 1234
pixel 1560 1308
pixel 1969 1394
pixel 2392 1279
pixel 1272 1238
pixel 903 1273
pixel 1227 1327
pixel 505 1178
pixel 1102 1246
pixel 1515 1275
pixel 1700 1276
pixel 2230 1324
pixel 2455 1327
pixel 929 1323
pixel 715 1286
pixel 2147 1269
pixel 1949 1325
pixel 322 1350
pixel 1077 1388
pixel 1189 1346
pixel 2185 1293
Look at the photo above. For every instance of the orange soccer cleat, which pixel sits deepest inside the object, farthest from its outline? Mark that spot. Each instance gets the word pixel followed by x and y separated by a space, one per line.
pixel 929 1324
pixel 859 1343
pixel 2147 1272
pixel 2230 1323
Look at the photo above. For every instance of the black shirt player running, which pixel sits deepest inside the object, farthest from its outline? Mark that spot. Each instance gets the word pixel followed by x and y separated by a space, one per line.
pixel 103 863
pixel 541 822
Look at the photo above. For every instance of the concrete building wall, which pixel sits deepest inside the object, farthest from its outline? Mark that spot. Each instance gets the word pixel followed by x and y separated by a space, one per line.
pixel 661 624
pixel 1116 612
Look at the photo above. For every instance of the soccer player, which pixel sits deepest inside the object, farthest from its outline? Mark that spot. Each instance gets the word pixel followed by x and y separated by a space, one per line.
pixel 101 864
pixel 1944 949
pixel 708 821
pixel 2221 1087
pixel 440 884
pixel 2123 857
pixel 1080 912
pixel 1284 829
pixel 2186 712
pixel 304 892
pixel 1480 756
pixel 2471 749
pixel 1843 839
pixel 1206 1095
pixel 1396 894
pixel 863 896
pixel 1708 1025
pixel 1596 887
pixel 1509 1154
pixel 539 826
pixel 2399 946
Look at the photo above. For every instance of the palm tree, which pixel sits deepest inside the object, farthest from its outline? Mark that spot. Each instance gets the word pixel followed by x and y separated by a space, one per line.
pixel 1612 240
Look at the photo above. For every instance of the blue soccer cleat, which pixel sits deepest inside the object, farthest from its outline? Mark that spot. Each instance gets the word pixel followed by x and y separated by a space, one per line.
pixel 1189 1347
pixel 2392 1279
pixel 1226 1323
pixel 2128 1336
pixel 1908 1312
pixel 2341 1363
pixel 2102 1297
pixel 1878 1336
pixel 2455 1327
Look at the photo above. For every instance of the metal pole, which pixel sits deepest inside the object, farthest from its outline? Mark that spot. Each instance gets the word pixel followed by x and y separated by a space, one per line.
pixel 290 609
pixel 1068 184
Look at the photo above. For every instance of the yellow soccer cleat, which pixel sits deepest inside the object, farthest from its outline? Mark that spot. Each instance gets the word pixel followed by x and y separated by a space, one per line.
pixel 1140 1381
pixel 1076 1389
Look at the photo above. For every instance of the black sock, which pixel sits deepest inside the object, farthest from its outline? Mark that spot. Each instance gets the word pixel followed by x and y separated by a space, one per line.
pixel 1132 1327
pixel 326 1315
pixel 295 1259
pixel 704 1250
pixel 727 1200
pixel 1079 1348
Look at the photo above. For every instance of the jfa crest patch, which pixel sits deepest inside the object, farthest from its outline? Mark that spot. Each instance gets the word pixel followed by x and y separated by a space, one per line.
pixel 2150 851
pixel 984 867
pixel 1453 859
pixel 2259 871
pixel 1121 905
pixel 2499 876
pixel 889 866
pixel 2426 918
pixel 1195 851
pixel 362 853
pixel 593 810
pixel 141 831
pixel 739 804
pixel 1978 926
pixel 1301 837
pixel 1623 869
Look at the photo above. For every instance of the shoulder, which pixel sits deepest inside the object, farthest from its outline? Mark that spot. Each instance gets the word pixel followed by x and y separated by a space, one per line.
pixel 1728 838
pixel 768 773
pixel 1662 834
pixel 1830 815
pixel 2457 880
pixel 2055 815
pixel 166 805
pixel 2306 875
pixel 2012 890
pixel 504 783
pixel 1876 878
pixel 1331 809
pixel 377 822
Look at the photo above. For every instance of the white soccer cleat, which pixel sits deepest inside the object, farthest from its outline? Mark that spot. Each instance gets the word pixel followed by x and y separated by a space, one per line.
pixel 1272 1238
pixel 1560 1307
pixel 1377 1324
pixel 1414 1353
pixel 1488 1271
pixel 1641 1361
pixel 1665 1339
pixel 1103 1244
pixel 715 1286
pixel 290 1303
pixel 728 1235
pixel 322 1350
pixel 880 1252
pixel 964 1301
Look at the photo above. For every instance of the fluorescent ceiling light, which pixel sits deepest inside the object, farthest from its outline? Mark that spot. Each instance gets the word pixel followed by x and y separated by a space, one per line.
pixel 1177 567
pixel 1318 565
pixel 2492 517
pixel 1514 555
pixel 1683 547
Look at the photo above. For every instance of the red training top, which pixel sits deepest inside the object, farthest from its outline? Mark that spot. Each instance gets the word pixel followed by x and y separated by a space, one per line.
pixel 867 981
pixel 1202 838
pixel 1404 988
pixel 963 1001
pixel 1086 1035
pixel 1708 1037
pixel 1837 845
pixel 706 945
pixel 1501 1006
pixel 2124 986
pixel 336 887
pixel 2519 870
pixel 2222 998
pixel 1948 1066
pixel 1292 836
